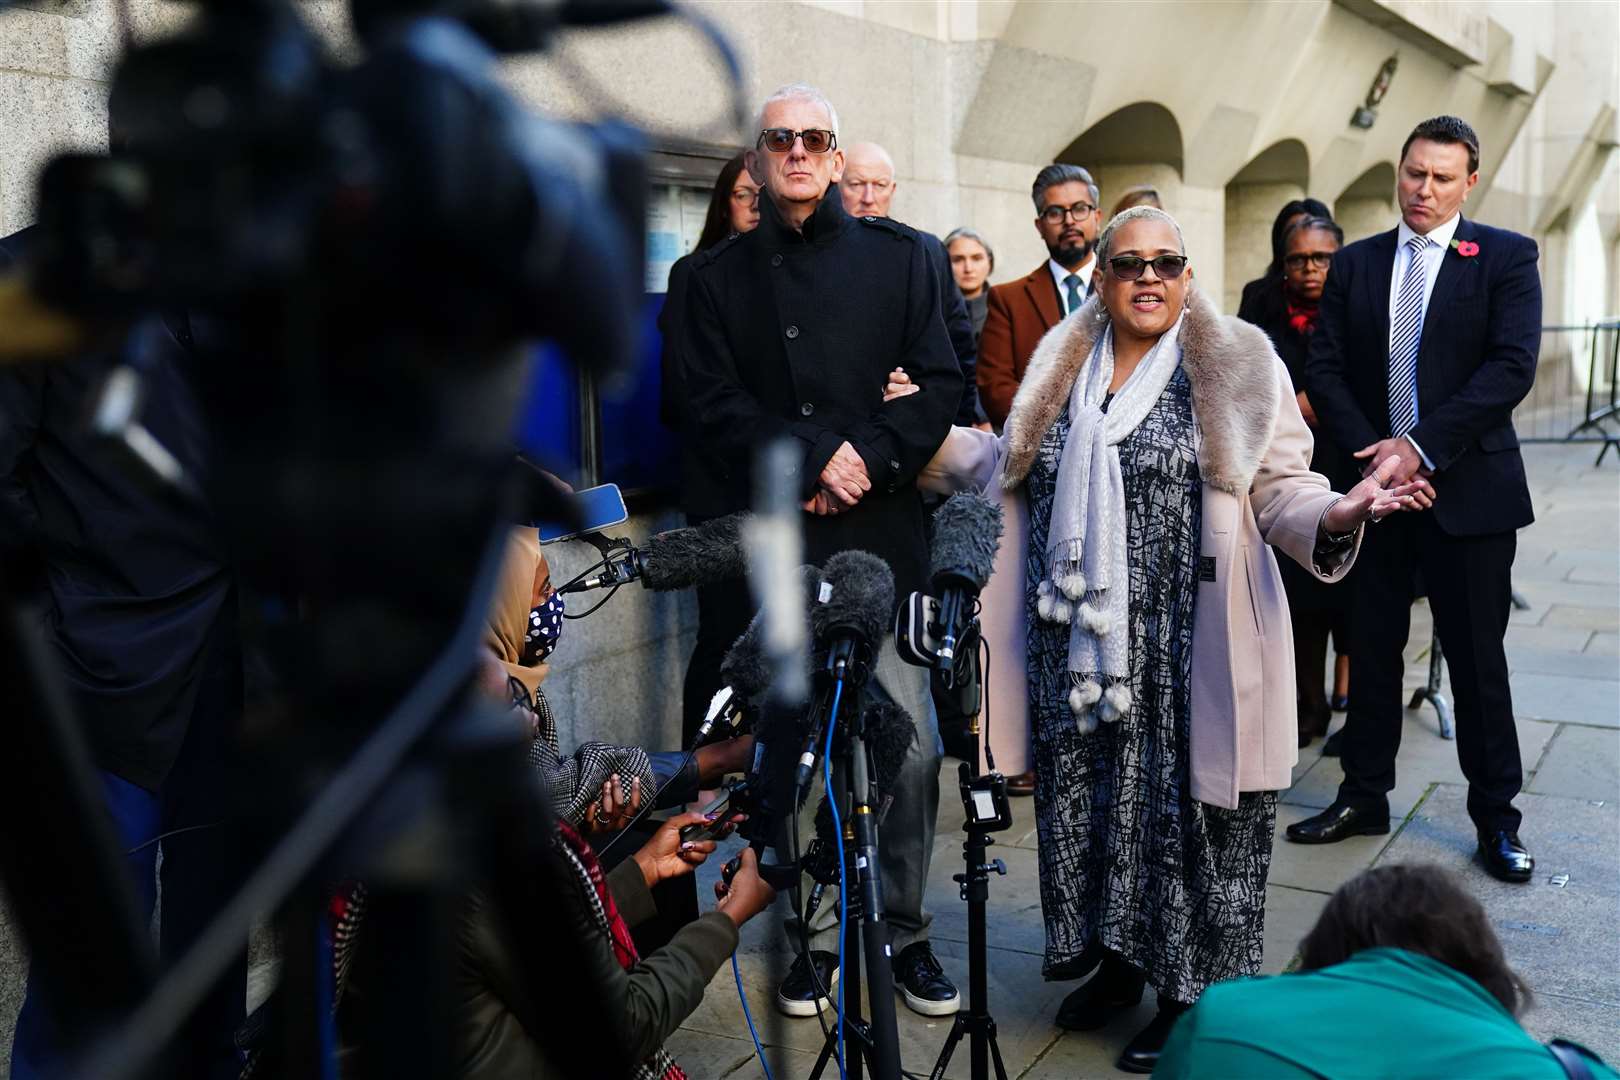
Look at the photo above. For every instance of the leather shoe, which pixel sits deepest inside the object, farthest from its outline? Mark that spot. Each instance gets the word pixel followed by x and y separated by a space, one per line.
pixel 1116 987
pixel 1022 784
pixel 1338 822
pixel 1504 857
pixel 1142 1052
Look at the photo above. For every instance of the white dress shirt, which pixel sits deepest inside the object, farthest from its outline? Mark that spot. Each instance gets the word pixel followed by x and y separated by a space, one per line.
pixel 1061 272
pixel 1433 256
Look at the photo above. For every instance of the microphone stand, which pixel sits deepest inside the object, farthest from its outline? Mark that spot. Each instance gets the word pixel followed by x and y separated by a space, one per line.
pixel 877 1040
pixel 976 1021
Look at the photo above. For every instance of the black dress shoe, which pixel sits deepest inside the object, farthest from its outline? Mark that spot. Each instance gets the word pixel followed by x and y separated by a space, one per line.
pixel 1335 743
pixel 1116 987
pixel 1505 857
pixel 1142 1053
pixel 1338 822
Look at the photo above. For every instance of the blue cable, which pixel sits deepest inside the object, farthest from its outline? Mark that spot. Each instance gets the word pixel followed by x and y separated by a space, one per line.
pixel 748 1016
pixel 843 877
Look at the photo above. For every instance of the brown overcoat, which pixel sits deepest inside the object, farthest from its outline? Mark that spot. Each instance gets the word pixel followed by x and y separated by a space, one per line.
pixel 1254 454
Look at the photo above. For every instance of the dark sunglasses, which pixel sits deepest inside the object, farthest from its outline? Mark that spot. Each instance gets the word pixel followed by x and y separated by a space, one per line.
pixel 780 140
pixel 1130 267
pixel 1321 260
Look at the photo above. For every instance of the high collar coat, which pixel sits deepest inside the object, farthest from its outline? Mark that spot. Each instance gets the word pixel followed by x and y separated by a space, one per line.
pixel 1259 493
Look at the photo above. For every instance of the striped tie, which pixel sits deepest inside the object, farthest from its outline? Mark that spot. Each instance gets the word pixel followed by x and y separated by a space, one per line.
pixel 1404 339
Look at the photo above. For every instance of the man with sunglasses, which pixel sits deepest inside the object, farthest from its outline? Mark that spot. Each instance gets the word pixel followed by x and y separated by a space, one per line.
pixel 791 331
pixel 1021 312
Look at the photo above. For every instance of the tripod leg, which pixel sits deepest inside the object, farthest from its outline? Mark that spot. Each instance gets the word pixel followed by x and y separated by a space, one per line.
pixel 825 1056
pixel 995 1052
pixel 958 1026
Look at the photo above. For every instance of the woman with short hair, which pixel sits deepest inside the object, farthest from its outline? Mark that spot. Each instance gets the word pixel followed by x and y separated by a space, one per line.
pixel 972 263
pixel 1161 455
pixel 1402 975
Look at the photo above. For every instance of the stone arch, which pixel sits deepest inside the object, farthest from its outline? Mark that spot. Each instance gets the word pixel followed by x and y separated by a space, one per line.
pixel 1278 174
pixel 1367 206
pixel 1137 144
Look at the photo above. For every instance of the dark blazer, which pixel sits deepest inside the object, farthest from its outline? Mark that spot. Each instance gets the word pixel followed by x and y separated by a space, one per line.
pixel 959 324
pixel 791 335
pixel 1476 361
pixel 1019 314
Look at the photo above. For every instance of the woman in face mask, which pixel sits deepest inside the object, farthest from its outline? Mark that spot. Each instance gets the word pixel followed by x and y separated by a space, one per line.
pixel 600 786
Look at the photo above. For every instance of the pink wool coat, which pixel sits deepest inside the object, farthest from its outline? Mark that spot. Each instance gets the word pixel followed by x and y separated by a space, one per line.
pixel 1260 495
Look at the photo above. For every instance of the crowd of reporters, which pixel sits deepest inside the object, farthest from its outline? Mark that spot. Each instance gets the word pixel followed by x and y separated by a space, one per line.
pixel 808 313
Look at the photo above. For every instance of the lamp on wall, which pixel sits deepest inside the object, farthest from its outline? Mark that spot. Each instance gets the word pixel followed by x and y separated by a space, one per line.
pixel 1367 112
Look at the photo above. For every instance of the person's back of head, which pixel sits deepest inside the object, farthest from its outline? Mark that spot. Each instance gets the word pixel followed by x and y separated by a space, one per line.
pixel 1422 909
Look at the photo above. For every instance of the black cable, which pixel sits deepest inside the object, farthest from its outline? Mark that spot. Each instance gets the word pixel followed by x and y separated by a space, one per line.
pixel 598 605
pixel 822 991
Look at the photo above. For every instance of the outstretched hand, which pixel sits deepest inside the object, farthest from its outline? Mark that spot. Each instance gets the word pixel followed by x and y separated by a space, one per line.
pixel 665 855
pixel 1374 498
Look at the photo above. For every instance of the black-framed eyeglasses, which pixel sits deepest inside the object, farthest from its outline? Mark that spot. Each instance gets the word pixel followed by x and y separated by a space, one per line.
pixel 1318 260
pixel 1131 267
pixel 1054 215
pixel 781 140
pixel 745 196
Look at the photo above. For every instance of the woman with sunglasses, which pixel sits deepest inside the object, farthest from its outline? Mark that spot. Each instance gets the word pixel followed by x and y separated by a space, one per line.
pixel 1161 455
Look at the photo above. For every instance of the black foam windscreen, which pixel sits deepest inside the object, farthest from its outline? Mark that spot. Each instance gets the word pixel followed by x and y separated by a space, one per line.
pixel 890 735
pixel 858 591
pixel 701 555
pixel 745 667
pixel 967 534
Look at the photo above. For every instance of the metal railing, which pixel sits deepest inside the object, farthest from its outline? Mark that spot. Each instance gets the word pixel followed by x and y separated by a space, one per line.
pixel 1575 394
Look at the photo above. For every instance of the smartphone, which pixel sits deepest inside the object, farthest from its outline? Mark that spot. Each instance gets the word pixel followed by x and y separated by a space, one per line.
pixel 600 507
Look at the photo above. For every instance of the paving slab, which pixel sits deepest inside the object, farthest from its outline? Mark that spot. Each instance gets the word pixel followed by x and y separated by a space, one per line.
pixel 1577 617
pixel 1561 638
pixel 1580 763
pixel 1562 697
pixel 1290 914
pixel 1560 938
pixel 1580 665
pixel 1604 644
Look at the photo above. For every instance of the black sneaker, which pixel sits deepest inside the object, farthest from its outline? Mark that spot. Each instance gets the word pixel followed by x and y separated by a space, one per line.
pixel 797 995
pixel 918 976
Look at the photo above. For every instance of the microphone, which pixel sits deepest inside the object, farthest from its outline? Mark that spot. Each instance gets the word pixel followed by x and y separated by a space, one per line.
pixel 746 672
pixel 856 602
pixel 967 534
pixel 679 559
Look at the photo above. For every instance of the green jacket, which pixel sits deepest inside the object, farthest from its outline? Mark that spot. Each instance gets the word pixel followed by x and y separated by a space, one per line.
pixel 1382 1013
pixel 653 998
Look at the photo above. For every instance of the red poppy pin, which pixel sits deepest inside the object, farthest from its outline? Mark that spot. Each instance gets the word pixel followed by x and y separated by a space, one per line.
pixel 1466 248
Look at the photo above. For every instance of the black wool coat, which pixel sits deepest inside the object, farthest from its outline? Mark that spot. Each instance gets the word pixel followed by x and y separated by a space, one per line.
pixel 792 334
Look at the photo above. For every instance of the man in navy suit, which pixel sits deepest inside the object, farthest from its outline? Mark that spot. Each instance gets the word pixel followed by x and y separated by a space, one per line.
pixel 1427 339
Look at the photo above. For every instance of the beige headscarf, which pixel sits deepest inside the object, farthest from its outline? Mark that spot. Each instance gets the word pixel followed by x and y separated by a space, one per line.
pixel 525 580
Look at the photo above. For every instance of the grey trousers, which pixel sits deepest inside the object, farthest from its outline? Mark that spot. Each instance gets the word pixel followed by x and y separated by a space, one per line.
pixel 906 836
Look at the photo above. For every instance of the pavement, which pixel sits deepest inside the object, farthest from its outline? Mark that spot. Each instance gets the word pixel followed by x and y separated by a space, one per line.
pixel 1558 930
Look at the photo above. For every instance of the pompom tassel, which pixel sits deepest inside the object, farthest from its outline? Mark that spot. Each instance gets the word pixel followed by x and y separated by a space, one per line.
pixel 1116 702
pixel 1062 610
pixel 1043 604
pixel 1095 621
pixel 1086 724
pixel 1073 585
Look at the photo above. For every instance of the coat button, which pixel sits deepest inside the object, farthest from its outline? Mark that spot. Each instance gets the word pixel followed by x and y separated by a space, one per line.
pixel 868 217
pixel 895 465
pixel 792 332
pixel 776 260
pixel 806 409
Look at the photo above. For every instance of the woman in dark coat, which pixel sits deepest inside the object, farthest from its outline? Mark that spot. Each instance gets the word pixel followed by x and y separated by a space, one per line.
pixel 1260 296
pixel 1286 311
pixel 723 609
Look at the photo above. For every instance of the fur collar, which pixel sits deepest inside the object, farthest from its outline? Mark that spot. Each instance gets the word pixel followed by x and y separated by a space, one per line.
pixel 1230 364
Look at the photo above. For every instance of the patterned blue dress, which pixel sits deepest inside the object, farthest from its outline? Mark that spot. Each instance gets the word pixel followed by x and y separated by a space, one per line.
pixel 1127 857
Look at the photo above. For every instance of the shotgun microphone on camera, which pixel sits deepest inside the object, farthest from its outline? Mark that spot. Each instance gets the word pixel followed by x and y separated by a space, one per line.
pixel 967 533
pixel 703 554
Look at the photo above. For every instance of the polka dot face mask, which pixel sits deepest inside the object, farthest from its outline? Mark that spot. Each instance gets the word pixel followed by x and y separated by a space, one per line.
pixel 545 625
